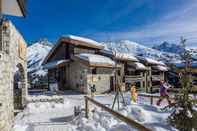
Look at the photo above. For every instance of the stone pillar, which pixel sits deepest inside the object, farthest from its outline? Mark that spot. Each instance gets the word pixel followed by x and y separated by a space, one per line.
pixel 6 105
pixel 9 57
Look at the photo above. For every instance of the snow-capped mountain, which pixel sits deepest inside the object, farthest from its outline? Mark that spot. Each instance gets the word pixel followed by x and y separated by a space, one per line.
pixel 168 47
pixel 130 47
pixel 174 48
pixel 35 55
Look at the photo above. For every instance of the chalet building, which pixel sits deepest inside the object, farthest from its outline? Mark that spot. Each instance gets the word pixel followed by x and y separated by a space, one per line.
pixel 78 63
pixel 75 63
pixel 146 73
pixel 154 74
pixel 129 67
pixel 132 70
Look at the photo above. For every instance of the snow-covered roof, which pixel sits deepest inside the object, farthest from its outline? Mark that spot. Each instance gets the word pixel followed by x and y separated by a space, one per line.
pixel 106 52
pixel 96 60
pixel 152 61
pixel 139 66
pixel 160 68
pixel 75 40
pixel 124 56
pixel 82 41
pixel 54 64
pixel 13 7
pixel 79 38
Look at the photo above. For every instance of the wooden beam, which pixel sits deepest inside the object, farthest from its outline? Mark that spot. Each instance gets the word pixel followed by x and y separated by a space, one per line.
pixel 127 120
pixel 0 10
pixel 157 97
pixel 22 5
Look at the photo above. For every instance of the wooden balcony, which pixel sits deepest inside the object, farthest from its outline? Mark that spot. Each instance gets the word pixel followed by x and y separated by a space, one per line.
pixel 133 78
pixel 157 77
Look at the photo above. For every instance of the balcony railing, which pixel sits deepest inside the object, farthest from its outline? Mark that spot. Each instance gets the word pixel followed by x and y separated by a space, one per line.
pixel 133 76
pixel 157 77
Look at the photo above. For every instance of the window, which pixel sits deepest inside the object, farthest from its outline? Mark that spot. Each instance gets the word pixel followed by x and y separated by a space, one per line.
pixel 133 73
pixel 155 73
pixel 155 83
pixel 143 74
pixel 194 74
pixel 4 39
pixel 119 73
pixel 6 47
pixel 94 71
pixel 143 83
pixel 78 50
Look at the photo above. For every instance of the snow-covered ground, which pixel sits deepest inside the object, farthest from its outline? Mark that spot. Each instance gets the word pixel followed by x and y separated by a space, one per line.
pixel 53 116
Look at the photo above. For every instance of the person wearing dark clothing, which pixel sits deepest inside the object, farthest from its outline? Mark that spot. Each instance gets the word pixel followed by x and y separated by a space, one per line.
pixel 163 92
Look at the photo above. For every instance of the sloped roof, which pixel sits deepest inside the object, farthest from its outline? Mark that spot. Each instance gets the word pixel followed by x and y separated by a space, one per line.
pixel 96 60
pixel 55 64
pixel 75 40
pixel 13 7
pixel 160 68
pixel 138 66
pixel 124 56
pixel 151 61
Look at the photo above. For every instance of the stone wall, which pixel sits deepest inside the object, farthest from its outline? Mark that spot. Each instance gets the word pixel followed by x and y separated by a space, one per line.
pixel 81 78
pixel 12 54
pixel 78 76
pixel 101 82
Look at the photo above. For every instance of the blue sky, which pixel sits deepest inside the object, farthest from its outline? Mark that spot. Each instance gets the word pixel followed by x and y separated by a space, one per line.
pixel 148 22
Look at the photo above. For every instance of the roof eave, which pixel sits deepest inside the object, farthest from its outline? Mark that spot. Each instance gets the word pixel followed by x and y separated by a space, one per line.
pixel 21 4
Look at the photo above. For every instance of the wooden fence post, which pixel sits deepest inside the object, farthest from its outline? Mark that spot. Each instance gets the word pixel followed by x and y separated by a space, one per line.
pixel 116 114
pixel 86 108
pixel 151 100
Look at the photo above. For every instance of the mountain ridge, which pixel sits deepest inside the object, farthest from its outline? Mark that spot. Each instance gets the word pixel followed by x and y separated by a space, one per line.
pixel 169 47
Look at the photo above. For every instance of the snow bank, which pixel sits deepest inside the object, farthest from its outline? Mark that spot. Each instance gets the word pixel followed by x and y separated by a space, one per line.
pixel 149 116
pixel 20 128
pixel 43 97
pixel 45 107
pixel 101 121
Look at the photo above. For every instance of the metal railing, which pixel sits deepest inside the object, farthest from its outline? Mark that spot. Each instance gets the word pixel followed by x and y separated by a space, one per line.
pixel 123 118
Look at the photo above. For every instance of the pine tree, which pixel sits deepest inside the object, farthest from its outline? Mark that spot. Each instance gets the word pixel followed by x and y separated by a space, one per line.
pixel 184 116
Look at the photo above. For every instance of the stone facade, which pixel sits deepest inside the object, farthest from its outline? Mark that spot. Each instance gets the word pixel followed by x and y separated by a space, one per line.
pixel 81 78
pixel 12 56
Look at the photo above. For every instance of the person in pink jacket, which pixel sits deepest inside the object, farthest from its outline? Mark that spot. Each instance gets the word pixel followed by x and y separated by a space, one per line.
pixel 163 92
